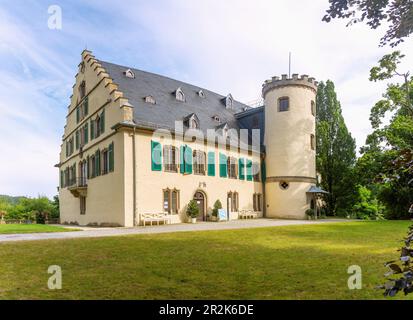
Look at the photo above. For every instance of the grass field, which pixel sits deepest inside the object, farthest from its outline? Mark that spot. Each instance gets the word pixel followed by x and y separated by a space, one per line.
pixel 30 228
pixel 294 262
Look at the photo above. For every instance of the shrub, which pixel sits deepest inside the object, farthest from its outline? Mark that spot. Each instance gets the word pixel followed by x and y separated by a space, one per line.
pixel 217 206
pixel 367 207
pixel 310 212
pixel 192 210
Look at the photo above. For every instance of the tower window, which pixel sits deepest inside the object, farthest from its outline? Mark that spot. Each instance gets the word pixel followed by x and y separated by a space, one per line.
pixel 312 141
pixel 313 108
pixel 283 104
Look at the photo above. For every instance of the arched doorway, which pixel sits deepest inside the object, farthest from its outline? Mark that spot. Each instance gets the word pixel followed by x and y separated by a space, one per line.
pixel 200 199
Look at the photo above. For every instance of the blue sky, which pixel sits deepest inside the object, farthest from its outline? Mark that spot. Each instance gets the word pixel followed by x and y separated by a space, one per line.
pixel 225 46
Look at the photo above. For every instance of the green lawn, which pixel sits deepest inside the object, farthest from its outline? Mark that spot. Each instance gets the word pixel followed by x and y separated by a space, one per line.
pixel 294 262
pixel 30 228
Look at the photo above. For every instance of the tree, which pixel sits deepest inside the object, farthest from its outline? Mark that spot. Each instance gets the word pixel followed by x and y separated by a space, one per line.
pixel 397 13
pixel 336 154
pixel 386 160
pixel 367 206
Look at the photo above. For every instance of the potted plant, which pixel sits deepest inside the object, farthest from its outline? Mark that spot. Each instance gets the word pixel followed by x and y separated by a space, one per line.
pixel 310 214
pixel 217 206
pixel 192 210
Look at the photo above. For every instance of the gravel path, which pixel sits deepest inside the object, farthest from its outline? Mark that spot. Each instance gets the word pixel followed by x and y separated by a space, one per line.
pixel 203 226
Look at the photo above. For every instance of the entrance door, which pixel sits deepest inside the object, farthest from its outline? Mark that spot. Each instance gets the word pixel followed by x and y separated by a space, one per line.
pixel 199 197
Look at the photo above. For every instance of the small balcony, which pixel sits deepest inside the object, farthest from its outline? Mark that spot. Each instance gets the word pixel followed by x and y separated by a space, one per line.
pixel 78 187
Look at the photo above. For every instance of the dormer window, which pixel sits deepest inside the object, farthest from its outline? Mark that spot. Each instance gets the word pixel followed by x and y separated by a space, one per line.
pixel 223 129
pixel 82 67
pixel 216 119
pixel 201 94
pixel 150 99
pixel 191 121
pixel 193 124
pixel 179 95
pixel 229 102
pixel 129 74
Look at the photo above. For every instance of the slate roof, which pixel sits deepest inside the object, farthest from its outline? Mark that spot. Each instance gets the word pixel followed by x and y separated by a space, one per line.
pixel 167 109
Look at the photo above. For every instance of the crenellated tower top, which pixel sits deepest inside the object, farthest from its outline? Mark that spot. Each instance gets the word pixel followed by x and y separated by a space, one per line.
pixel 295 80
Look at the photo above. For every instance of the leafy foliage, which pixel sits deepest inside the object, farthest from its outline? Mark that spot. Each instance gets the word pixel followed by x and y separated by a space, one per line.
pixel 217 206
pixel 397 13
pixel 192 210
pixel 367 206
pixel 404 269
pixel 386 163
pixel 38 209
pixel 336 154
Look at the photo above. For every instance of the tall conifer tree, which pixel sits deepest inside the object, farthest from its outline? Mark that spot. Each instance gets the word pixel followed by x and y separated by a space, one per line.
pixel 336 153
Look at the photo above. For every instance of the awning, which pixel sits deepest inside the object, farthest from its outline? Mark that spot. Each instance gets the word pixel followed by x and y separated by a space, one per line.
pixel 314 189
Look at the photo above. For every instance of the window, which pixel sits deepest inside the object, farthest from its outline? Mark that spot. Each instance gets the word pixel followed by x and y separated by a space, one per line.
pixel 257 200
pixel 199 162
pixel 92 166
pixel 256 172
pixel 170 158
pixel 193 124
pixel 284 185
pixel 283 104
pixel 313 108
pixel 255 123
pixel 179 95
pixel 229 102
pixel 105 164
pixel 312 142
pixel 82 205
pixel 82 89
pixel 70 147
pixel 171 201
pixel 217 119
pixel 232 167
pixel 201 94
pixel 97 126
pixel 150 99
pixel 232 201
pixel 129 74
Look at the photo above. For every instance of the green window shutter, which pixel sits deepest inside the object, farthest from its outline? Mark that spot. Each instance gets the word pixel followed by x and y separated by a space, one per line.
pixel 92 129
pixel 86 132
pixel 111 158
pixel 77 140
pixel 102 122
pixel 156 156
pixel 182 159
pixel 97 165
pixel 188 160
pixel 211 164
pixel 222 165
pixel 249 170
pixel 77 115
pixel 241 165
pixel 263 172
pixel 86 106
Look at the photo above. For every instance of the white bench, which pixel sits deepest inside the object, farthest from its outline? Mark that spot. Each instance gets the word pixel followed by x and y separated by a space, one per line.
pixel 247 214
pixel 154 217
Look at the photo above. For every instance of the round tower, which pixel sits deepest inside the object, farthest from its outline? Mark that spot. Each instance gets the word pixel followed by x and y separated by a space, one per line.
pixel 290 145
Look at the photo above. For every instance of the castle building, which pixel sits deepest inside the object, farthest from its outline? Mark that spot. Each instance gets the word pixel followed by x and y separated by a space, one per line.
pixel 137 144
